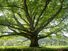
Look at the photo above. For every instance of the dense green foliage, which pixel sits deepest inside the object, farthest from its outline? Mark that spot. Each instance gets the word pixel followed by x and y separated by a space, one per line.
pixel 33 19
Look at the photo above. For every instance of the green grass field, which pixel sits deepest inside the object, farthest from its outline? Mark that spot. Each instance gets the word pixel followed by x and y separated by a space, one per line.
pixel 46 48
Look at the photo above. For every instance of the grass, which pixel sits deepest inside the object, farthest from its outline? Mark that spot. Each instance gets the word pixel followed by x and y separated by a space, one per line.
pixel 56 47
pixel 46 48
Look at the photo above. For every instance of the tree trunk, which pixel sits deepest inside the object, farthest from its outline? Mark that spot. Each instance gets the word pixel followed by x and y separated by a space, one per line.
pixel 34 42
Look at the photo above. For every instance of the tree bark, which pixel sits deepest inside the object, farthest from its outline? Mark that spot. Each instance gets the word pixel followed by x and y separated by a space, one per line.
pixel 34 42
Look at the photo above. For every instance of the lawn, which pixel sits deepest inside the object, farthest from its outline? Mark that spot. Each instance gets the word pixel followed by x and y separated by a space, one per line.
pixel 46 48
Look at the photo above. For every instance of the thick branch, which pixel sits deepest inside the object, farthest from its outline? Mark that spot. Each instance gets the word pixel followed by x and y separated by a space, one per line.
pixel 9 25
pixel 16 19
pixel 27 15
pixel 44 9
pixel 58 23
pixel 15 33
pixel 8 35
pixel 53 32
pixel 12 29
pixel 27 35
pixel 50 19
pixel 23 18
pixel 21 27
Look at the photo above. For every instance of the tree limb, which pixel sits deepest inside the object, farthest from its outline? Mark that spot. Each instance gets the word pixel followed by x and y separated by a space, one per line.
pixel 7 35
pixel 27 15
pixel 8 25
pixel 53 32
pixel 58 23
pixel 22 18
pixel 15 33
pixel 12 29
pixel 50 19
pixel 44 9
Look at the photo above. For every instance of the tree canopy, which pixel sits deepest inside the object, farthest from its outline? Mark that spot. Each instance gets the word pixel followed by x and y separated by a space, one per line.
pixel 33 19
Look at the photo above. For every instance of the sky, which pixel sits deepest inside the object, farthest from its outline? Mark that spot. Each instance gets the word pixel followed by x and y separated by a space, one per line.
pixel 65 33
pixel 1 14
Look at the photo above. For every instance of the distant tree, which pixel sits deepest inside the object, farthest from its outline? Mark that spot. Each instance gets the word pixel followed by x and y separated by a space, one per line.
pixel 29 18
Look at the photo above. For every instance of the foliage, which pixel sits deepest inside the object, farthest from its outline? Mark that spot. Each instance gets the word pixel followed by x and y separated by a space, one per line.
pixel 31 18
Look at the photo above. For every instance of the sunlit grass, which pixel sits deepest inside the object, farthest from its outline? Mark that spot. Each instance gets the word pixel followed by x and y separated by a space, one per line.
pixel 15 47
pixel 25 48
pixel 20 47
pixel 56 46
